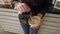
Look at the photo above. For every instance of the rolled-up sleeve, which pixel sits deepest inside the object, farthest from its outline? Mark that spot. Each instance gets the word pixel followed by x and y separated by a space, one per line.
pixel 13 2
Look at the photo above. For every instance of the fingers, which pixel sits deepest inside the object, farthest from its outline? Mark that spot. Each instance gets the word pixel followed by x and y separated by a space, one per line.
pixel 24 8
pixel 28 9
pixel 20 9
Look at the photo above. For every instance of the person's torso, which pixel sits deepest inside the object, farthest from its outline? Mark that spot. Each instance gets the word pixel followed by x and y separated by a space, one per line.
pixel 35 5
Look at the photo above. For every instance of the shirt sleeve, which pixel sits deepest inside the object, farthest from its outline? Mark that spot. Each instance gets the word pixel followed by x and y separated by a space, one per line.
pixel 13 2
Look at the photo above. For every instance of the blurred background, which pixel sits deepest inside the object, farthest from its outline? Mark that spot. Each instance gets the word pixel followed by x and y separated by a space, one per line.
pixel 9 23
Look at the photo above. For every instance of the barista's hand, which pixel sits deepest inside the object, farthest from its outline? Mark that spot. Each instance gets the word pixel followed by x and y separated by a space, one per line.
pixel 24 7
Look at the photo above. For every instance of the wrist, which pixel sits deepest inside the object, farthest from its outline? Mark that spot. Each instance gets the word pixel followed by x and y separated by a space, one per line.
pixel 40 15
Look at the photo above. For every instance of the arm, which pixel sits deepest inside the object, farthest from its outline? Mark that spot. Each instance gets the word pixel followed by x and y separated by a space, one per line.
pixel 20 5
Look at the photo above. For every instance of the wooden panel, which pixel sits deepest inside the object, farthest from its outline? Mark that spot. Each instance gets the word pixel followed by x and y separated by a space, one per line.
pixel 8 14
pixel 52 15
pixel 50 29
pixel 52 19
pixel 9 20
pixel 8 10
pixel 52 24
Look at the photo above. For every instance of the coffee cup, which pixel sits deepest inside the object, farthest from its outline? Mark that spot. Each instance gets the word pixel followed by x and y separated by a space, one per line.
pixel 34 21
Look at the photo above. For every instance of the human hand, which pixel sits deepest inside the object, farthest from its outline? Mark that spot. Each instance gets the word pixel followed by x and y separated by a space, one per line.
pixel 23 7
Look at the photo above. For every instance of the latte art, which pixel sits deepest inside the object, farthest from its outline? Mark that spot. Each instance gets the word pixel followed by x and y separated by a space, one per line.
pixel 35 21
